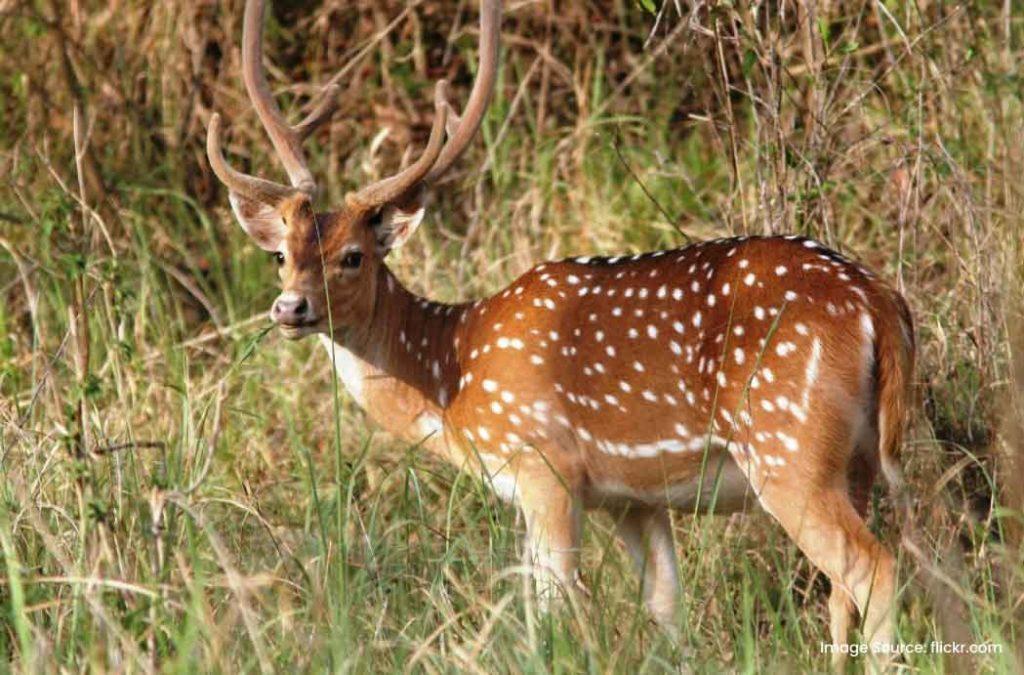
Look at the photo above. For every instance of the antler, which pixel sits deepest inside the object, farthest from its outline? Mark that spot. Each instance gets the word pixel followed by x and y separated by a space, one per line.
pixel 287 140
pixel 250 187
pixel 436 161
pixel 437 156
pixel 466 125
pixel 389 189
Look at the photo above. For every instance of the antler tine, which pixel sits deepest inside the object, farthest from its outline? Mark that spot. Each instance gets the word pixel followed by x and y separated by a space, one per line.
pixel 389 189
pixel 323 111
pixel 438 155
pixel 287 140
pixel 250 187
pixel 466 125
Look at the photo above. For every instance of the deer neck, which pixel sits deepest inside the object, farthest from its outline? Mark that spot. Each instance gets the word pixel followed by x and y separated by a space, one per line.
pixel 402 368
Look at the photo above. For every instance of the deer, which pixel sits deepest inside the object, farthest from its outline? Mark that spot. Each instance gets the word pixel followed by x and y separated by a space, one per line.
pixel 762 372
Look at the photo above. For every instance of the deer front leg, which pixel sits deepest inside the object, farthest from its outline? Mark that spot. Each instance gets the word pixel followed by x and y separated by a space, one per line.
pixel 553 515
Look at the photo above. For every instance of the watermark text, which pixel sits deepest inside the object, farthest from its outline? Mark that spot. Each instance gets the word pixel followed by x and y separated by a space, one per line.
pixel 856 649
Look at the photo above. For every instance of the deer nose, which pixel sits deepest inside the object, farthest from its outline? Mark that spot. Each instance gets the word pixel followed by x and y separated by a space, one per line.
pixel 291 309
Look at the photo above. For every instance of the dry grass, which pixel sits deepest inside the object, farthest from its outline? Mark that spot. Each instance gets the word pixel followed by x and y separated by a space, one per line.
pixel 173 492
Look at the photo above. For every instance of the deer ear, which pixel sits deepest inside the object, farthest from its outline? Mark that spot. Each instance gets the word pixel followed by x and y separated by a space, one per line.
pixel 397 224
pixel 262 222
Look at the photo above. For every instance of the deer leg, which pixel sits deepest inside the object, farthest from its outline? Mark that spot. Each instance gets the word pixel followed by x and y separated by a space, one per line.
pixel 835 538
pixel 841 613
pixel 647 535
pixel 553 515
pixel 841 607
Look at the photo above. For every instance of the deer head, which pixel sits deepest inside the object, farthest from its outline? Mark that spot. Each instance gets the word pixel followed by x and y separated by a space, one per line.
pixel 330 262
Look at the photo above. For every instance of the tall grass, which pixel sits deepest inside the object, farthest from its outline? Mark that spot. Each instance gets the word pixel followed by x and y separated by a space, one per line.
pixel 173 495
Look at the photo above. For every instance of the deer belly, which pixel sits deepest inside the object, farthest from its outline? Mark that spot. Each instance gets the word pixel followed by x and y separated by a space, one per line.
pixel 717 485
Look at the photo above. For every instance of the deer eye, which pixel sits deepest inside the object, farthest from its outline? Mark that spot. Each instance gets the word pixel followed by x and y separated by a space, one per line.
pixel 279 257
pixel 352 260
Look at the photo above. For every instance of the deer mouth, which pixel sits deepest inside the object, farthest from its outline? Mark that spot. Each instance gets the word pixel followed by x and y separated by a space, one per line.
pixel 296 331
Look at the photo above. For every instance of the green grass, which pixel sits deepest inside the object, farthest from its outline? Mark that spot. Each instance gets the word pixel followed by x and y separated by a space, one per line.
pixel 182 490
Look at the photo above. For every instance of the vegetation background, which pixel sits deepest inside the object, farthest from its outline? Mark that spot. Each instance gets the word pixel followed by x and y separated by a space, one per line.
pixel 181 489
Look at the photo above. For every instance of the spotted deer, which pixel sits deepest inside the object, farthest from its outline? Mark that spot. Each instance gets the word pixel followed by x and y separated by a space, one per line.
pixel 765 371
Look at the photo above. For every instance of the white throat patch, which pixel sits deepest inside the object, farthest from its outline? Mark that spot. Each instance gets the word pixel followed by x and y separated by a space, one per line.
pixel 350 368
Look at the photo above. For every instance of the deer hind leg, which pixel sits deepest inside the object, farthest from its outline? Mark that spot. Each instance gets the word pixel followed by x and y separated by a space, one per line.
pixel 553 514
pixel 647 535
pixel 830 532
pixel 861 475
